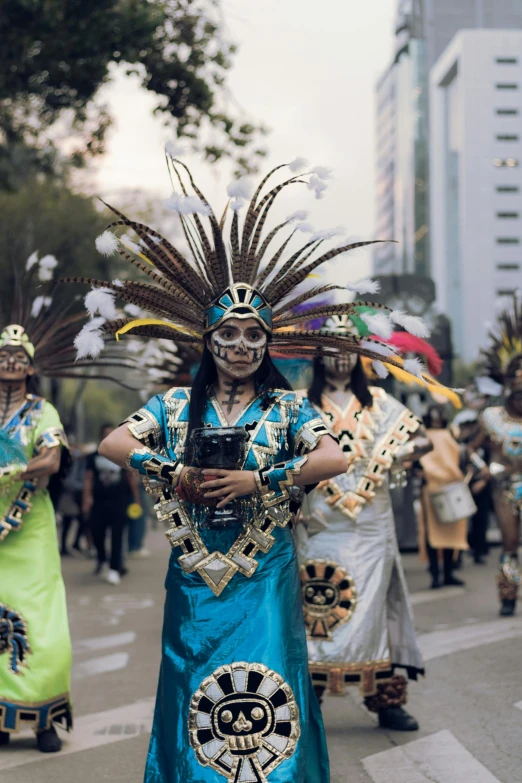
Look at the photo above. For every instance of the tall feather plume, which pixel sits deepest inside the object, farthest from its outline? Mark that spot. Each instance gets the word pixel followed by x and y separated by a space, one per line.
pixel 262 250
pixel 218 261
pixel 269 268
pixel 250 217
pixel 252 233
pixel 287 306
pixel 293 279
pixel 166 257
pixel 234 242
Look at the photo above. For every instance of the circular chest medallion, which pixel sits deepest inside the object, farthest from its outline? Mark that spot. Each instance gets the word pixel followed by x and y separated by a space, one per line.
pixel 243 721
pixel 329 597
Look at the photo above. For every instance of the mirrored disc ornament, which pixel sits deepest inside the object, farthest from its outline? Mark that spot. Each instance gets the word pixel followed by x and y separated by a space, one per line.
pixel 329 597
pixel 243 722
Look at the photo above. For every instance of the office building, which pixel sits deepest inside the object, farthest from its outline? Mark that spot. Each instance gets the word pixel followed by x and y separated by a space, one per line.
pixel 476 180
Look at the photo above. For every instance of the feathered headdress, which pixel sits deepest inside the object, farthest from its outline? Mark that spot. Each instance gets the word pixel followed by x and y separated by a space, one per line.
pixel 230 273
pixel 46 330
pixel 410 371
pixel 506 343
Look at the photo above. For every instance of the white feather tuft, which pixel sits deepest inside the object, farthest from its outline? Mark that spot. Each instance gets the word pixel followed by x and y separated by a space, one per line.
pixel 380 369
pixel 187 205
pixel 106 243
pixel 323 172
pixel 318 185
pixel 300 214
pixel 237 203
pixel 89 342
pixel 100 300
pixel 379 324
pixel 488 386
pixel 383 350
pixel 174 150
pixel 117 282
pixel 241 188
pixel 365 286
pixel 414 367
pixel 130 244
pixel 39 303
pixel 133 310
pixel 328 233
pixel 306 228
pixel 458 391
pixel 31 261
pixel 412 323
pixel 45 268
pixel 298 164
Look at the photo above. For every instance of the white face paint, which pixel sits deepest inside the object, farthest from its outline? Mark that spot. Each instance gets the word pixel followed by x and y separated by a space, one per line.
pixel 340 366
pixel 238 347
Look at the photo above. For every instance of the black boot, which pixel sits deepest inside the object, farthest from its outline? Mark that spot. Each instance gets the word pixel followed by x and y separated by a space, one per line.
pixel 48 741
pixel 449 579
pixel 507 607
pixel 398 719
pixel 5 736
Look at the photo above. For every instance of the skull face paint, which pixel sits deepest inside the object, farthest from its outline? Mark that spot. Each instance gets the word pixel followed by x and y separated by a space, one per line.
pixel 340 366
pixel 238 347
pixel 15 364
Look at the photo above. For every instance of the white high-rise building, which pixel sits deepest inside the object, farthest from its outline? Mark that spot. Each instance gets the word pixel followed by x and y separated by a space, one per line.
pixel 423 30
pixel 476 180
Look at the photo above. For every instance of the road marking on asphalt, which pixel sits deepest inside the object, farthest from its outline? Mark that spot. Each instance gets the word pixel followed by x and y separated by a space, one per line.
pixel 104 642
pixel 90 731
pixel 439 758
pixel 518 705
pixel 427 596
pixel 101 665
pixel 439 643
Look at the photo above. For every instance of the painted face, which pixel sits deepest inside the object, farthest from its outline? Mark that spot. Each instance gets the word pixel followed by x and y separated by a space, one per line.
pixel 15 364
pixel 238 347
pixel 340 366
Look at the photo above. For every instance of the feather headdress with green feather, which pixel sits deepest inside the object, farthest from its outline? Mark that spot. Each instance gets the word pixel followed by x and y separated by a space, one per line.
pixel 245 271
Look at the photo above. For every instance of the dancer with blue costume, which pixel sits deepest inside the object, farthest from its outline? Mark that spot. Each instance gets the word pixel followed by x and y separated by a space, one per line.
pixel 228 457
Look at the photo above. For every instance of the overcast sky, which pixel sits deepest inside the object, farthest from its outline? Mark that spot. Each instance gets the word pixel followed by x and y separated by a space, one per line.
pixel 307 70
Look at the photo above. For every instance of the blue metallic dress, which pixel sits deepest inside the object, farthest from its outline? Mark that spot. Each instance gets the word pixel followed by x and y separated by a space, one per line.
pixel 234 698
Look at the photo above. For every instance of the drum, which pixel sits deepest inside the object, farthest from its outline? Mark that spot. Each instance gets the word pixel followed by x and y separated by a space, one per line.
pixel 224 448
pixel 453 503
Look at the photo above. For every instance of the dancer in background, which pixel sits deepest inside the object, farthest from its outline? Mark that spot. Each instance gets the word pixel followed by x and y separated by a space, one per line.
pixel 234 695
pixel 355 598
pixel 501 432
pixel 35 647
pixel 439 468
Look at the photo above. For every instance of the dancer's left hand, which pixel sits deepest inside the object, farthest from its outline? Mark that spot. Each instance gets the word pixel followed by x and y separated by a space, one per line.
pixel 228 484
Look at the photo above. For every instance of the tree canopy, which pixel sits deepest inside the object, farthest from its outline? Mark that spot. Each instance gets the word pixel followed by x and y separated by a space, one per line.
pixel 56 54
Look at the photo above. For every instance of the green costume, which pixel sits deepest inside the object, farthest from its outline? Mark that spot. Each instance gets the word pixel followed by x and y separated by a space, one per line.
pixel 35 646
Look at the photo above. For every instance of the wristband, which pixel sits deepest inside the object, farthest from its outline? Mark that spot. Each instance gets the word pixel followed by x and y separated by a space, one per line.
pixel 274 482
pixel 154 466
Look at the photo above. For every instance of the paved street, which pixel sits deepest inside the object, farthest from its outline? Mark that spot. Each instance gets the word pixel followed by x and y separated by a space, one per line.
pixel 469 706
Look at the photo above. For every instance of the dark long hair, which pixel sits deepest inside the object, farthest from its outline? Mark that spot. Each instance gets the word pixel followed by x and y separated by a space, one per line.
pixel 358 384
pixel 266 378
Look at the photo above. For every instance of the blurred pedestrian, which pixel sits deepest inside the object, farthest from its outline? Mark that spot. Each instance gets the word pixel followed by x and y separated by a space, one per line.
pixel 440 468
pixel 108 492
pixel 137 529
pixel 465 427
pixel 70 501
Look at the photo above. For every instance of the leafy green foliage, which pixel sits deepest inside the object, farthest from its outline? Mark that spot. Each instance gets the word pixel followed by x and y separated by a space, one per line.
pixel 47 217
pixel 56 54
